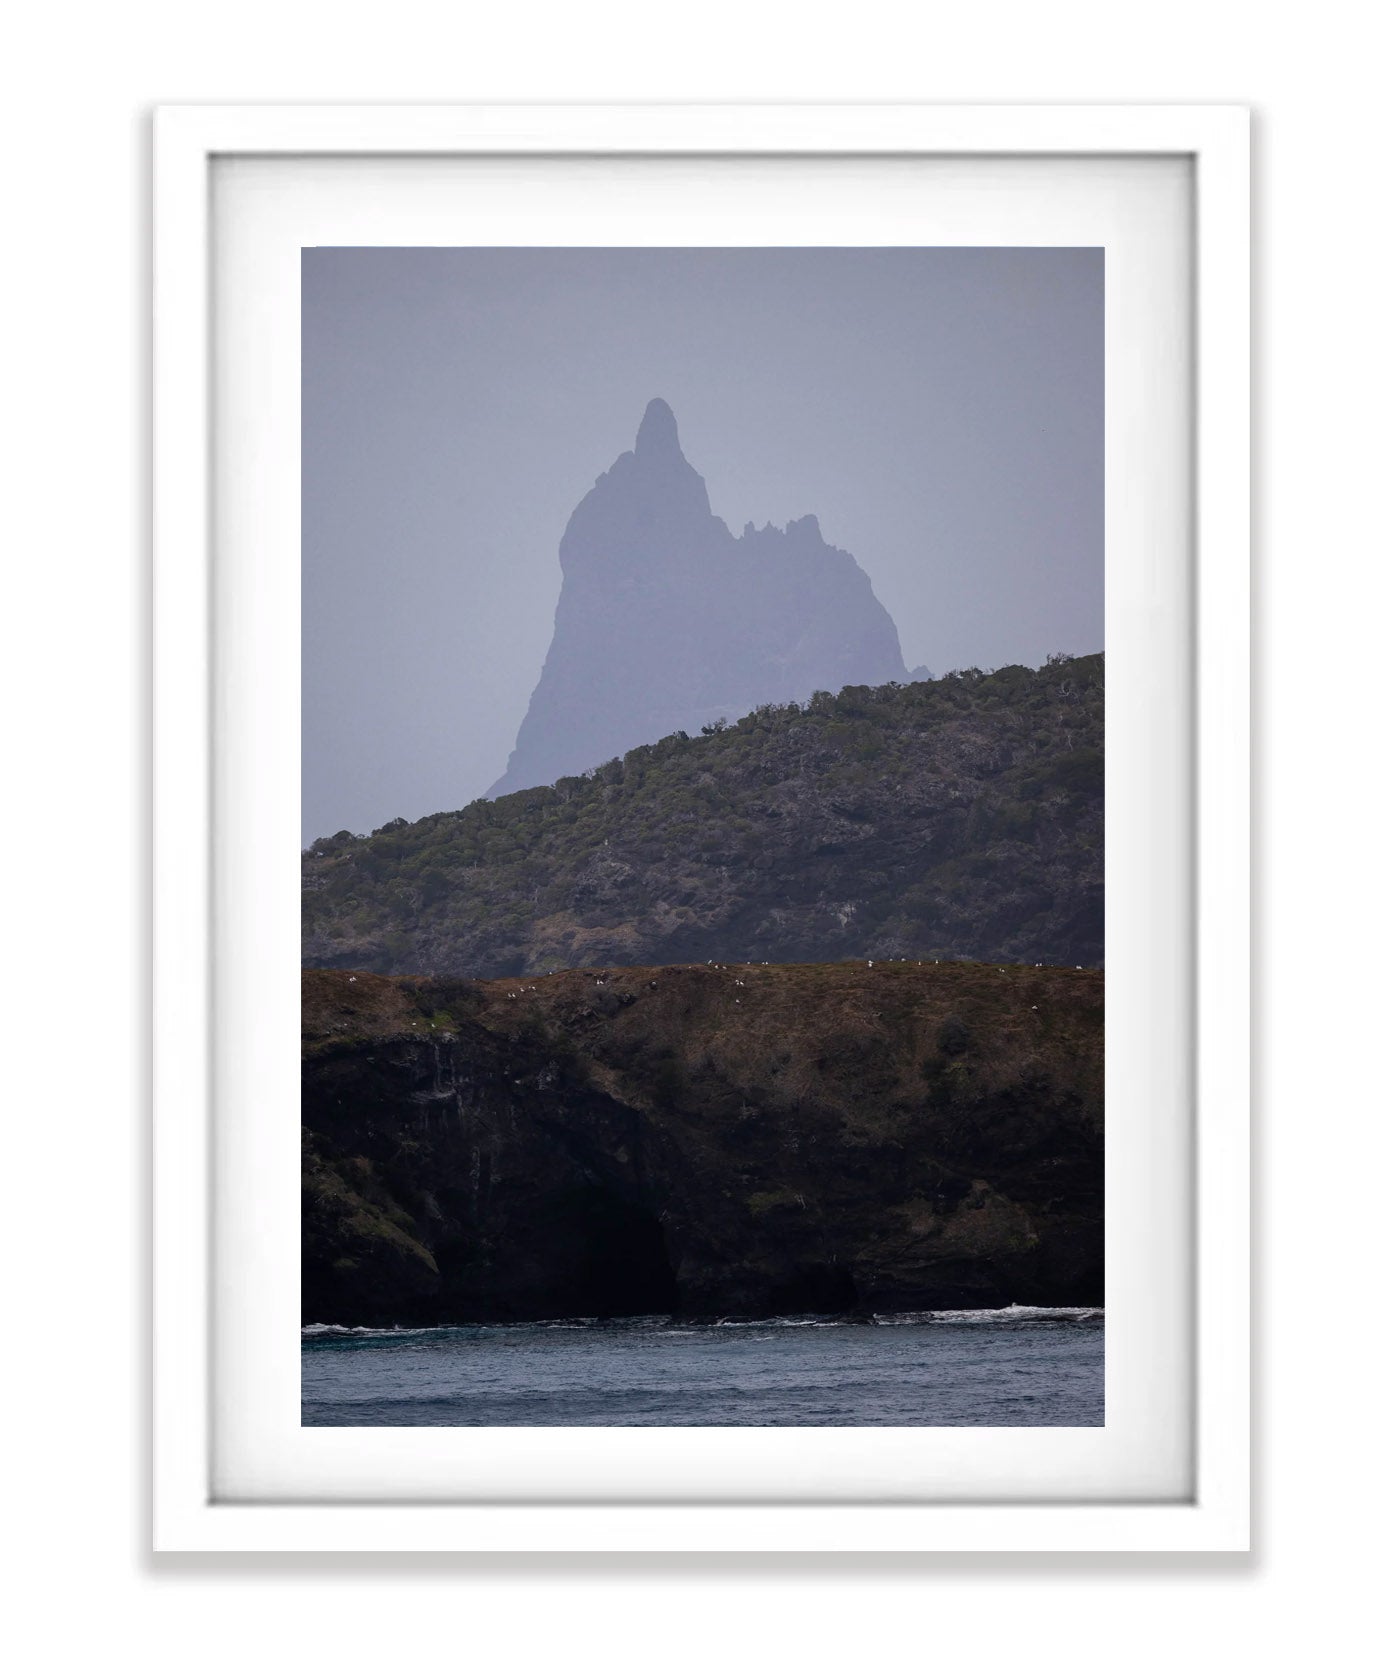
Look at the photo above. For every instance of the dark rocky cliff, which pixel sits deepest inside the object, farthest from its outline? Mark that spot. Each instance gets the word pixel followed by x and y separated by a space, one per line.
pixel 743 1140
pixel 666 620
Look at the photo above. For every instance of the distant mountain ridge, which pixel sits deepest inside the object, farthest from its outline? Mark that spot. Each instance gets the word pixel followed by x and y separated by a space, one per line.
pixel 666 620
pixel 958 818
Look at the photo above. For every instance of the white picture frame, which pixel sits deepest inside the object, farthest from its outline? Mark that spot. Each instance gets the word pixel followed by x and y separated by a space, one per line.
pixel 193 703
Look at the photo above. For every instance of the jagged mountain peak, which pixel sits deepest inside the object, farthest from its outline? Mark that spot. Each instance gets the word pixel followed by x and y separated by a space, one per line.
pixel 658 437
pixel 667 620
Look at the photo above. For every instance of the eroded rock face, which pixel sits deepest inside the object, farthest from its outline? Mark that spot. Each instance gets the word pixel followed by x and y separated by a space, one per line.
pixel 739 1140
pixel 667 621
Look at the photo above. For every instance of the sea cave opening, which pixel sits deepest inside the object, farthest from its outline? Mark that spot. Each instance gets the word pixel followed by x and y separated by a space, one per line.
pixel 815 1287
pixel 617 1256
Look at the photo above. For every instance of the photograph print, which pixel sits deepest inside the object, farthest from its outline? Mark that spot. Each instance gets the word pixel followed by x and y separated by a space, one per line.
pixel 703 837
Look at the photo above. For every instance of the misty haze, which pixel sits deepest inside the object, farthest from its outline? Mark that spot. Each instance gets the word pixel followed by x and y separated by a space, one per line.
pixel 939 412
pixel 702 1011
pixel 666 621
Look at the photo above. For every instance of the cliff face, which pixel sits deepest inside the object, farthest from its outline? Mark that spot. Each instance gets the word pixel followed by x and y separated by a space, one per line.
pixel 703 1140
pixel 666 621
pixel 957 818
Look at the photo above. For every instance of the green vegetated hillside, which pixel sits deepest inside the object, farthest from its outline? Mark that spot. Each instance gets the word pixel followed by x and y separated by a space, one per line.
pixel 961 817
pixel 701 1139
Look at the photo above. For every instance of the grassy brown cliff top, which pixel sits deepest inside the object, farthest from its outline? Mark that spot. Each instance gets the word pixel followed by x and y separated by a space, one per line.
pixel 801 1031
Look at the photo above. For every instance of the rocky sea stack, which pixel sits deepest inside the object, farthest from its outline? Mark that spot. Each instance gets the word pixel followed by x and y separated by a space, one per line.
pixel 667 621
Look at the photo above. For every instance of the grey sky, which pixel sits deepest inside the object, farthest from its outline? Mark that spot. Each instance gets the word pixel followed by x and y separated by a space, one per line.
pixel 939 410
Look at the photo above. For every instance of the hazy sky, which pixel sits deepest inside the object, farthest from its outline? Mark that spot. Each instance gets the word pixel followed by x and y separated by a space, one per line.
pixel 939 410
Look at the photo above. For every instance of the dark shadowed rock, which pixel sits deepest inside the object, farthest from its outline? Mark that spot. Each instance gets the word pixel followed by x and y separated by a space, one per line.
pixel 702 1139
pixel 666 620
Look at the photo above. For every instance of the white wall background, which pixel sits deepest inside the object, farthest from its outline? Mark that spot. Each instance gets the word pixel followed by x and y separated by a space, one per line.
pixel 77 84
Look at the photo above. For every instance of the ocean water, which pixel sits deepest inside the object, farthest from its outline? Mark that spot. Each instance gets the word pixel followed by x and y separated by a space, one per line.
pixel 1015 1367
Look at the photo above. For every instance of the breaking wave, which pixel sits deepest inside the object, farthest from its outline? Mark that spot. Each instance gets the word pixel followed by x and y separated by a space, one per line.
pixel 995 1315
pixel 672 1327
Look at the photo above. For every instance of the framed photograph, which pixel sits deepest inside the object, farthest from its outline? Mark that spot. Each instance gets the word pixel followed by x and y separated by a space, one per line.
pixel 702 766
